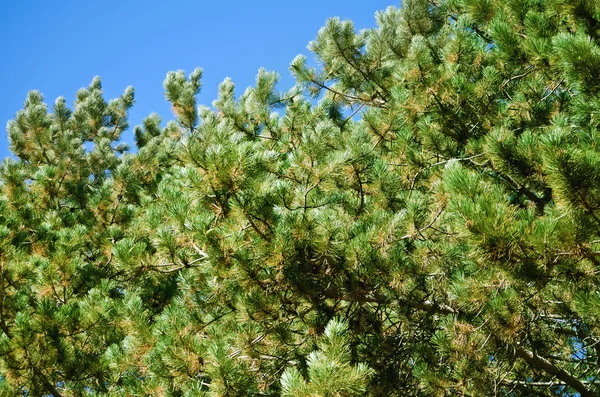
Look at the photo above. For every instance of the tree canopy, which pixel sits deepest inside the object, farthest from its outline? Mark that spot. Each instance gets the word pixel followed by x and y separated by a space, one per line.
pixel 418 216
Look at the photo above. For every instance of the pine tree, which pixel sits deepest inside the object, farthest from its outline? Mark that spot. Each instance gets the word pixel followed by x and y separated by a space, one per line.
pixel 417 216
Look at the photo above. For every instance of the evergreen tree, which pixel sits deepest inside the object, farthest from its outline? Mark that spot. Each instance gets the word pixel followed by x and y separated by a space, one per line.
pixel 418 216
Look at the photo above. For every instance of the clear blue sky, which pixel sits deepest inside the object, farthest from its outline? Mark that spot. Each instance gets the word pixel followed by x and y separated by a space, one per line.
pixel 57 47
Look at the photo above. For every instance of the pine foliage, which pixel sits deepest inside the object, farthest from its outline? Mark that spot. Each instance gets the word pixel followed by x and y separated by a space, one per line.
pixel 418 216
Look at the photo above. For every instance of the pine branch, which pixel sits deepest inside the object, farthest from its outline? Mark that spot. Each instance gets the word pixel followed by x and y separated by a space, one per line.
pixel 49 386
pixel 352 98
pixel 545 384
pixel 377 297
pixel 551 369
pixel 414 178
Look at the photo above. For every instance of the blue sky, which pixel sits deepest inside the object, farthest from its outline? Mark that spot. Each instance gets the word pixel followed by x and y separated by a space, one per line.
pixel 57 47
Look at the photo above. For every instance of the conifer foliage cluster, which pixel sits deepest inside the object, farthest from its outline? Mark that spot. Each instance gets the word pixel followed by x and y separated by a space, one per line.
pixel 418 216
